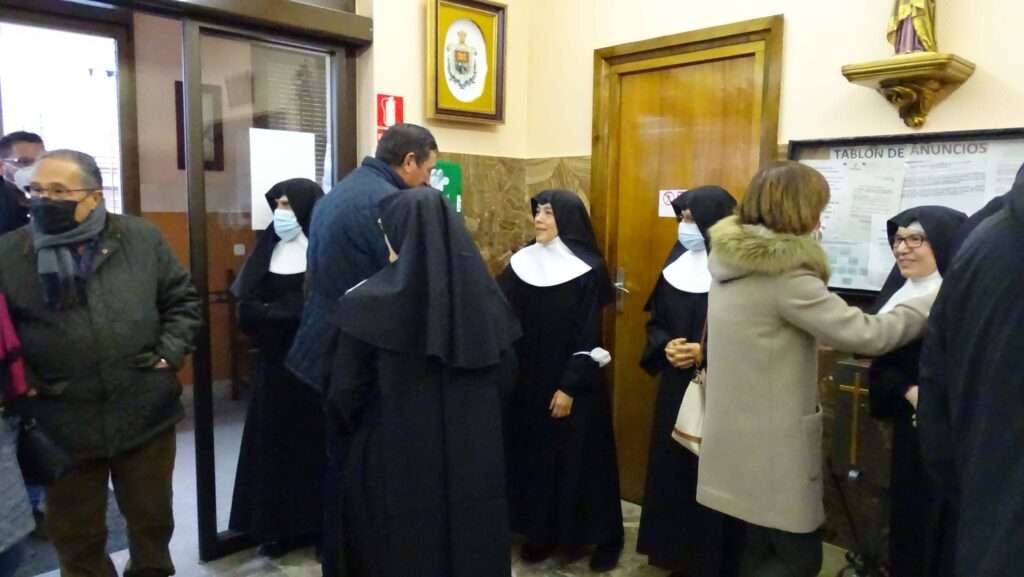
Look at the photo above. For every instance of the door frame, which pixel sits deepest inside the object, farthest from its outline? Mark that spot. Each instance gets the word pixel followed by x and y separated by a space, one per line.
pixel 761 38
pixel 214 544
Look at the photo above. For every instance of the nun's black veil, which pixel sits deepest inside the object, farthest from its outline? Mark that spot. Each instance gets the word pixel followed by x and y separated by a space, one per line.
pixel 438 299
pixel 940 224
pixel 576 231
pixel 303 195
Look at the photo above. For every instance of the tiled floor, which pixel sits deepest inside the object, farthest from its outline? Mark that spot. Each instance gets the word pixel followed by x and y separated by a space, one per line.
pixel 230 416
pixel 303 564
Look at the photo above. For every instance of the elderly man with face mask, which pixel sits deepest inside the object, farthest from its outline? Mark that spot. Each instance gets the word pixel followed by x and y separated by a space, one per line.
pixel 106 315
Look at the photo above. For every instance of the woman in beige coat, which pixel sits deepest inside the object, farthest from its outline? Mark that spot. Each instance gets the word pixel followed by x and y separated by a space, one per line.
pixel 769 309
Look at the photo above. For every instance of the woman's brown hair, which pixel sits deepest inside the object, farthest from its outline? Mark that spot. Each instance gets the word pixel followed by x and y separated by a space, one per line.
pixel 787 197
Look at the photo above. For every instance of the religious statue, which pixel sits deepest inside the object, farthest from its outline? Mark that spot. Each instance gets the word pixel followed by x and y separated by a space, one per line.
pixel 912 26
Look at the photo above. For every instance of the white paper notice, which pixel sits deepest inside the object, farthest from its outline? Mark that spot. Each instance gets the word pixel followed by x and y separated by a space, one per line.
pixel 665 198
pixel 838 209
pixel 880 258
pixel 850 264
pixel 1005 159
pixel 277 155
pixel 956 183
pixel 874 191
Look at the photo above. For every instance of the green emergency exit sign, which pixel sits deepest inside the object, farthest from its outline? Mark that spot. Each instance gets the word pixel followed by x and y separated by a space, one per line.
pixel 447 177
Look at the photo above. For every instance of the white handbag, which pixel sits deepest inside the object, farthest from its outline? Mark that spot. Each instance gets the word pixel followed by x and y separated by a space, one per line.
pixel 689 428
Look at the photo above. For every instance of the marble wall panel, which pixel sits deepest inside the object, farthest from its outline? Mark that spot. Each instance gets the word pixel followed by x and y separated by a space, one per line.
pixel 496 197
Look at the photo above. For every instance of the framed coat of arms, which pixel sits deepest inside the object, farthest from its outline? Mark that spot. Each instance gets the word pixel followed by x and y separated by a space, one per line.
pixel 466 60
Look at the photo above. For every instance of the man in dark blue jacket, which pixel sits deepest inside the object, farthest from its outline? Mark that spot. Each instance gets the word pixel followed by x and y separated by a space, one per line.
pixel 346 246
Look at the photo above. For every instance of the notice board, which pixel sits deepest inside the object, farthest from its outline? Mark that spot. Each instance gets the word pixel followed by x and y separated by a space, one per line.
pixel 874 178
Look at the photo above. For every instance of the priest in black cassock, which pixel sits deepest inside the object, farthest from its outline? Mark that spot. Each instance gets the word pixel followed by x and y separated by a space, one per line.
pixel 278 483
pixel 922 242
pixel 676 532
pixel 424 349
pixel 563 475
pixel 971 411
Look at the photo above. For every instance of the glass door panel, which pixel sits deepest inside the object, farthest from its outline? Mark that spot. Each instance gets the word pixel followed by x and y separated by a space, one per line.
pixel 265 118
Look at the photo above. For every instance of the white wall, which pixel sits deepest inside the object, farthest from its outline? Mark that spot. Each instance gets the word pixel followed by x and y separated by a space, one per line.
pixel 820 37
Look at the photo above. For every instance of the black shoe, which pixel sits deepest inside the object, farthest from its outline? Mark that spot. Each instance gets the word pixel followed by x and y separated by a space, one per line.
pixel 605 558
pixel 533 553
pixel 273 550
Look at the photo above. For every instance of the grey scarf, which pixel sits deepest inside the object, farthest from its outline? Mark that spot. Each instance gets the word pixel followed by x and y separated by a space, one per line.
pixel 63 285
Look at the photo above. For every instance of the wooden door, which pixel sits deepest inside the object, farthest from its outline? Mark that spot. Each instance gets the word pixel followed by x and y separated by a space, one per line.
pixel 671 113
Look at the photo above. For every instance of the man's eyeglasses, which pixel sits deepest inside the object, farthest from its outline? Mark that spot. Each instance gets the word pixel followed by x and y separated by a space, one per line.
pixel 57 190
pixel 911 240
pixel 19 161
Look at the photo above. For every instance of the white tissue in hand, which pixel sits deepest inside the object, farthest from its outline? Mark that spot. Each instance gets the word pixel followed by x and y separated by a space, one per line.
pixel 598 355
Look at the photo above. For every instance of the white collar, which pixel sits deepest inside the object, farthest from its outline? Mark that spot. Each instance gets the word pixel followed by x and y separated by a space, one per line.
pixel 689 273
pixel 551 264
pixel 289 257
pixel 913 287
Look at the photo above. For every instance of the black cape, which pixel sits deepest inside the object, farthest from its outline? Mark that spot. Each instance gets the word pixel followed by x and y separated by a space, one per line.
pixel 676 532
pixel 971 411
pixel 915 519
pixel 423 352
pixel 563 474
pixel 278 482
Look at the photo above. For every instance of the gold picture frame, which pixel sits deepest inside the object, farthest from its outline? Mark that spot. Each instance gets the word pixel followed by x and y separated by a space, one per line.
pixel 466 60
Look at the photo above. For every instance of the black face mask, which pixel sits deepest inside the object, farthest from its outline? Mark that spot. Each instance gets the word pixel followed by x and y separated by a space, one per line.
pixel 53 216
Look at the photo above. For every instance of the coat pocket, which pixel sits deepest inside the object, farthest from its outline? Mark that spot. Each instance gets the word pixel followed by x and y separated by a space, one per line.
pixel 813 427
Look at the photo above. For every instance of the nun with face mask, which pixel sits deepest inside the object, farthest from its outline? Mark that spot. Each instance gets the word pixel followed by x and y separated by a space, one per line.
pixel 563 475
pixel 423 350
pixel 277 497
pixel 677 533
pixel 922 241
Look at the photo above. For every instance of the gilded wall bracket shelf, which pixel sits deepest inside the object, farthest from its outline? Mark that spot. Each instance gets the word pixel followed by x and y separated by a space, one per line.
pixel 914 83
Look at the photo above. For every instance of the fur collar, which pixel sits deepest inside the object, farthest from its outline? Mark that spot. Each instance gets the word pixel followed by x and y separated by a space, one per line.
pixel 741 250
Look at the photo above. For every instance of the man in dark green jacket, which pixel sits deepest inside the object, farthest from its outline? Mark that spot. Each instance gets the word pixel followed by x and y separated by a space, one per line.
pixel 106 315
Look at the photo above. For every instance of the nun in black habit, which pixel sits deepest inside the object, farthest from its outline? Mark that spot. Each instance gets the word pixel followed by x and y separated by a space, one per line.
pixel 922 240
pixel 971 415
pixel 677 533
pixel 277 497
pixel 563 475
pixel 424 349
